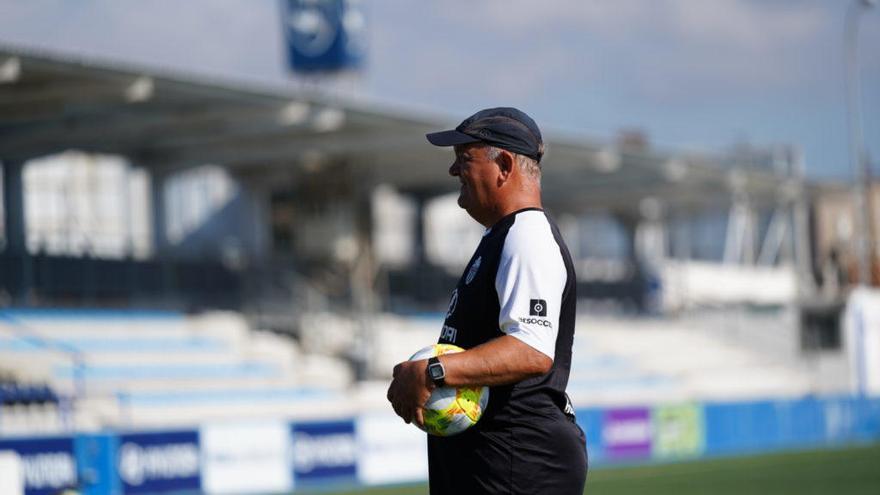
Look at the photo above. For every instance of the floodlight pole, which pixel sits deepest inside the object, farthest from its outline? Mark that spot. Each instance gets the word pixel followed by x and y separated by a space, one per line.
pixel 861 183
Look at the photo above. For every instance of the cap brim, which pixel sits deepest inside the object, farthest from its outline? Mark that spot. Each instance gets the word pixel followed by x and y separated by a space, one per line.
pixel 450 138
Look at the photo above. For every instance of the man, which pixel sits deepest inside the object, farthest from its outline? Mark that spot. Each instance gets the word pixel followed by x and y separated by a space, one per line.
pixel 513 312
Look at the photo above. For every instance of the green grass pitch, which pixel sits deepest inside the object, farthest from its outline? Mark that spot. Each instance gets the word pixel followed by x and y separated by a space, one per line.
pixel 849 471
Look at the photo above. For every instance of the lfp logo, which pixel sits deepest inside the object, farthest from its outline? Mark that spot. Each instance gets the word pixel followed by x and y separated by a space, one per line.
pixel 155 462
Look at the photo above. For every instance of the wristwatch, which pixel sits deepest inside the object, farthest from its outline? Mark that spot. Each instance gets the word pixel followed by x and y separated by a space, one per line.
pixel 436 372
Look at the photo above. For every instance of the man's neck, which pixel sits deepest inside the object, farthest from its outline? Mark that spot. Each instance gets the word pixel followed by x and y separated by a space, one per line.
pixel 509 207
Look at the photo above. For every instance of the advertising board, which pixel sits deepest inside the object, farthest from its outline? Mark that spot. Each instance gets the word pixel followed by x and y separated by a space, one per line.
pixel 11 473
pixel 324 452
pixel 48 463
pixel 390 451
pixel 159 461
pixel 627 433
pixel 678 431
pixel 246 457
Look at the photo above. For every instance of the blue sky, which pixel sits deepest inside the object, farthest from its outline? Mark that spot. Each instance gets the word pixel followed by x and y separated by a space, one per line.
pixel 700 74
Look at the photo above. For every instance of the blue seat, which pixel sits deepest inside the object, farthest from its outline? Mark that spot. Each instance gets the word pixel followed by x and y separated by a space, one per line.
pixel 228 396
pixel 12 393
pixel 168 371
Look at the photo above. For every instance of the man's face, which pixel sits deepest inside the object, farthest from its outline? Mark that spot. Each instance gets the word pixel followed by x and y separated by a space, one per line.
pixel 478 176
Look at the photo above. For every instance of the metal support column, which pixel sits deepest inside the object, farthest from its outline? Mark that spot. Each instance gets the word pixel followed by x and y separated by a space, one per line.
pixel 158 180
pixel 18 259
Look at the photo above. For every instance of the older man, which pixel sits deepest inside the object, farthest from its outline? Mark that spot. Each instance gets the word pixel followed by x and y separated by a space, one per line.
pixel 513 310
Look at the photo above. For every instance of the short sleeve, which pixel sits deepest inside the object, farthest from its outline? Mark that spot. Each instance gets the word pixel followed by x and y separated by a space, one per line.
pixel 530 281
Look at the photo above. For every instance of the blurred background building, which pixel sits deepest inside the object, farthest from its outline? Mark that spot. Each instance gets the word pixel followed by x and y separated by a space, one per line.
pixel 192 257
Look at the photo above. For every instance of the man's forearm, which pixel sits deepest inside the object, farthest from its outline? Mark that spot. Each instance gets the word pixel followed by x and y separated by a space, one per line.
pixel 500 361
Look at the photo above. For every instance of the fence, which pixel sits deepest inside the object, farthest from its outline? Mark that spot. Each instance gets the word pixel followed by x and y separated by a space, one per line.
pixel 377 448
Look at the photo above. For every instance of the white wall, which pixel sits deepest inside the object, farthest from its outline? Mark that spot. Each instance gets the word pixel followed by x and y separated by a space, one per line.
pixel 693 283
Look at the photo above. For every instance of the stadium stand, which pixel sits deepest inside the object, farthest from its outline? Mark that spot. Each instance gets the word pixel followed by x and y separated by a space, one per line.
pixel 27 407
pixel 128 369
pixel 152 369
pixel 636 360
pixel 620 361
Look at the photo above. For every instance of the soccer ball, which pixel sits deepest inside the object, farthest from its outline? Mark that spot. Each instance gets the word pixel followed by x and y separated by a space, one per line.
pixel 449 410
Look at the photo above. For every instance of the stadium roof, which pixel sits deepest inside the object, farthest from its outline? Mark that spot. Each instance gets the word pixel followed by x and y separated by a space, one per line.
pixel 166 120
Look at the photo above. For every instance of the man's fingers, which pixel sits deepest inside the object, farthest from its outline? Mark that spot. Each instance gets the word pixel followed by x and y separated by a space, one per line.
pixel 420 417
pixel 401 411
pixel 406 386
pixel 397 409
pixel 392 390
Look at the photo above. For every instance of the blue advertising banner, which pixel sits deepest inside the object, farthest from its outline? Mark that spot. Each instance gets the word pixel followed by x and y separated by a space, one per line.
pixel 49 463
pixel 590 420
pixel 324 35
pixel 325 451
pixel 159 462
pixel 96 463
pixel 849 419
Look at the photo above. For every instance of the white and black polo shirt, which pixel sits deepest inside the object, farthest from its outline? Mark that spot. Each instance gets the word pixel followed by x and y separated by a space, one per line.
pixel 519 282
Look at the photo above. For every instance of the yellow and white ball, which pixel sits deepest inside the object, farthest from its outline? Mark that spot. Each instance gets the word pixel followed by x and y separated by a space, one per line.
pixel 450 410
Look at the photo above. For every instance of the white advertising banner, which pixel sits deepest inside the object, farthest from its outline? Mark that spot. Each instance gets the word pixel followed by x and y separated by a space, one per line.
pixel 11 473
pixel 390 451
pixel 246 458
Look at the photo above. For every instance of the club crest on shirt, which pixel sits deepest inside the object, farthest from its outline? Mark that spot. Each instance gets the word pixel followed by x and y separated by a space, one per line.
pixel 452 303
pixel 473 271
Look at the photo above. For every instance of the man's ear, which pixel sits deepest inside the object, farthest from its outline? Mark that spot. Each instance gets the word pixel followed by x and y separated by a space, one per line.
pixel 506 162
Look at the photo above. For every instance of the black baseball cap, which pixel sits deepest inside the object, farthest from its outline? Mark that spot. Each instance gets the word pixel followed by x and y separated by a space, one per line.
pixel 503 127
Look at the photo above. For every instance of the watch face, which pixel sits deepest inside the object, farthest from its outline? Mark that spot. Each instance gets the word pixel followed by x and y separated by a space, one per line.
pixel 436 371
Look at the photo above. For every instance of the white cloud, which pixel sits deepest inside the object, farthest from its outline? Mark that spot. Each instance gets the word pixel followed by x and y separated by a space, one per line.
pixel 664 49
pixel 744 23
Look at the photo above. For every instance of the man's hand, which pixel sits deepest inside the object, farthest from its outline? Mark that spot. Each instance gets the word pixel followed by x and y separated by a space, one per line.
pixel 410 389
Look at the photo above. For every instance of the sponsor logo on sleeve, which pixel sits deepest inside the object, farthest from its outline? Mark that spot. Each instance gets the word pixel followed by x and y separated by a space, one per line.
pixel 537 307
pixel 536 321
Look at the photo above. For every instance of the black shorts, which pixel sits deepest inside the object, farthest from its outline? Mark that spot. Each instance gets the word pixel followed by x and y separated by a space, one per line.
pixel 541 457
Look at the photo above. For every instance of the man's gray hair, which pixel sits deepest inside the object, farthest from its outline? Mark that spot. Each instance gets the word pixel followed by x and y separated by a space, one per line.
pixel 528 165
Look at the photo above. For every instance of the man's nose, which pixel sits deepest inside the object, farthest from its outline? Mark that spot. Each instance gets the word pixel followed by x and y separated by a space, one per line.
pixel 454 169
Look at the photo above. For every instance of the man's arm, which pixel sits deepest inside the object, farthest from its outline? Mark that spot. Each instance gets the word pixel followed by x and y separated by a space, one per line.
pixel 501 361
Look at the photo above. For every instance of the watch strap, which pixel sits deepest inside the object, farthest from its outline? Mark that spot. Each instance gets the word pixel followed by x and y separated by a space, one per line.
pixel 434 363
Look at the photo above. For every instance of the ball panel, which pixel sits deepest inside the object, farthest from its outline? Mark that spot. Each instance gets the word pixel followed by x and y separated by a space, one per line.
pixel 441 349
pixel 436 422
pixel 441 398
pixel 468 400
pixel 458 424
pixel 484 399
pixel 435 350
